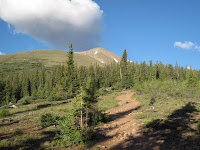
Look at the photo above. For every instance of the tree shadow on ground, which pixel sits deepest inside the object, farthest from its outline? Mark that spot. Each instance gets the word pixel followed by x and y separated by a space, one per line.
pixel 38 107
pixel 8 123
pixel 173 133
pixel 33 144
pixel 10 135
pixel 121 114
pixel 100 133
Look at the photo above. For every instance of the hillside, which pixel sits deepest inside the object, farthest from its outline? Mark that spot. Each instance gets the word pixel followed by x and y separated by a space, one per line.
pixel 51 57
pixel 102 55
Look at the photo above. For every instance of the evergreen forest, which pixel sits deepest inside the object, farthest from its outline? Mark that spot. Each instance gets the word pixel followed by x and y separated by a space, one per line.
pixel 63 82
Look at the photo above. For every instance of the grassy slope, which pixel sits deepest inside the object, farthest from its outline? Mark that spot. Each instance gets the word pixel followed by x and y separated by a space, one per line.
pixel 24 131
pixel 169 97
pixel 172 118
pixel 37 59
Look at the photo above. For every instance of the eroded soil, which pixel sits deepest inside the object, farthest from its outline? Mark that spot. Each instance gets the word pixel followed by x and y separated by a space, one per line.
pixel 121 124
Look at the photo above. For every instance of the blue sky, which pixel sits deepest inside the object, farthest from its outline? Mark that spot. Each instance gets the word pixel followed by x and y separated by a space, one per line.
pixel 157 30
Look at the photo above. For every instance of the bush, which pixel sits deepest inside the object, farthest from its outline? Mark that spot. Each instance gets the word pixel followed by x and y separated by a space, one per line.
pixel 102 91
pixel 48 120
pixel 55 98
pixel 71 134
pixel 98 118
pixel 4 113
pixel 57 94
pixel 198 126
pixel 25 100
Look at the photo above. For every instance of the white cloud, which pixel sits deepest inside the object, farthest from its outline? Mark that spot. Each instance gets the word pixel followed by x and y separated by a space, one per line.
pixel 2 53
pixel 56 22
pixel 197 48
pixel 185 45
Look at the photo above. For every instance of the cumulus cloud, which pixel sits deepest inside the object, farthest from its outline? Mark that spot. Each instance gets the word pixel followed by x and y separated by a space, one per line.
pixel 56 22
pixel 197 48
pixel 185 45
pixel 2 53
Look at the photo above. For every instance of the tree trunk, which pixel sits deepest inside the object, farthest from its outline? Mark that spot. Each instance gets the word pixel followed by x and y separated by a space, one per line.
pixel 86 116
pixel 120 72
pixel 81 113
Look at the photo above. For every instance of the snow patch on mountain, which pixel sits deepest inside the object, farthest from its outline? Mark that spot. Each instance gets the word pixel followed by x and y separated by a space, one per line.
pixel 96 53
pixel 116 60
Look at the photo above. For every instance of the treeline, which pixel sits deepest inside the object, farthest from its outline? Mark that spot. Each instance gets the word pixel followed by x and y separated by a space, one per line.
pixel 63 82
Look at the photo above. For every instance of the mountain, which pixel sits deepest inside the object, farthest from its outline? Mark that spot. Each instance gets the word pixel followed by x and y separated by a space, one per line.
pixel 102 55
pixel 37 59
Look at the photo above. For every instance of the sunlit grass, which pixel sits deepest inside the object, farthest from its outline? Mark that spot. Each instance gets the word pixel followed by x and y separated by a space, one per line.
pixel 107 102
pixel 25 123
pixel 169 97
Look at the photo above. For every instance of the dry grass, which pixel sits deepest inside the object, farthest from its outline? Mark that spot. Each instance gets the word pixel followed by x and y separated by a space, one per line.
pixel 25 124
pixel 24 130
pixel 41 58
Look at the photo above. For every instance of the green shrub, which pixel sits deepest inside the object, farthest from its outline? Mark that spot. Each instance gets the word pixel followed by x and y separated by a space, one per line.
pixel 25 100
pixel 102 91
pixel 98 118
pixel 56 98
pixel 4 143
pixel 198 126
pixel 4 113
pixel 71 134
pixel 48 120
pixel 57 94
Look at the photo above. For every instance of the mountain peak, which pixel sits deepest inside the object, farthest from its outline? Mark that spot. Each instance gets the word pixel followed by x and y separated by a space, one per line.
pixel 102 55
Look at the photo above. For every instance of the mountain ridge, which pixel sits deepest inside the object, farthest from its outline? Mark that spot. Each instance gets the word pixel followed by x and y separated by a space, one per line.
pixel 103 55
pixel 51 57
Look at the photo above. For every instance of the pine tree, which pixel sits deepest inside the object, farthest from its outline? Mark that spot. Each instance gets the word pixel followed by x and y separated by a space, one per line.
pixel 123 70
pixel 90 98
pixel 25 85
pixel 7 90
pixel 71 81
pixel 176 73
pixel 143 71
pixel 2 86
pixel 192 80
pixel 170 71
pixel 137 73
pixel 151 71
pixel 123 64
pixel 16 87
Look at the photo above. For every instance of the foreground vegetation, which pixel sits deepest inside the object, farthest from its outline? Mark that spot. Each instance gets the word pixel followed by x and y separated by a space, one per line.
pixel 24 129
pixel 168 96
pixel 170 113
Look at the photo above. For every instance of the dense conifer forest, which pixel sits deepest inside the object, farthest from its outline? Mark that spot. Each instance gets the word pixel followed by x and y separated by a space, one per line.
pixel 62 82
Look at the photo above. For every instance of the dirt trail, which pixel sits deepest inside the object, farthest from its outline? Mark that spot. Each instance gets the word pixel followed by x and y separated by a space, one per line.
pixel 121 123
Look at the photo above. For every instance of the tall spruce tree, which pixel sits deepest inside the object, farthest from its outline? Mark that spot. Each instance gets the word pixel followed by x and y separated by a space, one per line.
pixel 123 70
pixel 71 83
pixel 192 80
pixel 90 98
pixel 123 63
